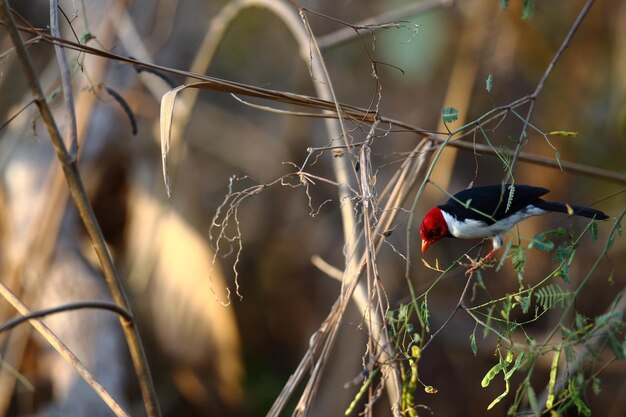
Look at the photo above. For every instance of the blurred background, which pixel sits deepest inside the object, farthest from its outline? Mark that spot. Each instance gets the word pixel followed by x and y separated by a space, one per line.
pixel 208 358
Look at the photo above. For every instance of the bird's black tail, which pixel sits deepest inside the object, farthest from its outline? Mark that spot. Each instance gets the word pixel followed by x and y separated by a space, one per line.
pixel 577 210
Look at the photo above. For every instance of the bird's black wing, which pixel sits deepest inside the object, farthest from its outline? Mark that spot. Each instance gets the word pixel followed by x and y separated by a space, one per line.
pixel 489 203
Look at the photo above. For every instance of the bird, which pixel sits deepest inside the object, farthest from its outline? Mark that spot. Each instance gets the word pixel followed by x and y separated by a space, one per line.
pixel 489 212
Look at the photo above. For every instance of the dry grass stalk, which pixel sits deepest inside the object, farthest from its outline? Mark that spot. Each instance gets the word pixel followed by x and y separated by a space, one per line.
pixel 60 347
pixel 86 214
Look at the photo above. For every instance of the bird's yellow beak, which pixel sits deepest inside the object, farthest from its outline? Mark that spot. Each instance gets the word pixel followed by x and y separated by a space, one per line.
pixel 425 245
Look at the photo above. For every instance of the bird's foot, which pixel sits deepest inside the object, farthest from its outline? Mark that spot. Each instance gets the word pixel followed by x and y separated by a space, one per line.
pixel 474 264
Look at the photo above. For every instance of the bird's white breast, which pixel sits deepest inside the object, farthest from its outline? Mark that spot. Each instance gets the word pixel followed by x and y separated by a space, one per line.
pixel 474 229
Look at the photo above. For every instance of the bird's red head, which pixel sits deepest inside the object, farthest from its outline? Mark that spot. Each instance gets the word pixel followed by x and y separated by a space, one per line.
pixel 434 227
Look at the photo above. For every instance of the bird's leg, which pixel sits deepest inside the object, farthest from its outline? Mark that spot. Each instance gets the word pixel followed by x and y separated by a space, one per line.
pixel 475 265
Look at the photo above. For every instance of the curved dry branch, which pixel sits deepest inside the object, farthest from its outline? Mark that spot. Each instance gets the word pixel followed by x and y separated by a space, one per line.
pixel 350 111
pixel 98 305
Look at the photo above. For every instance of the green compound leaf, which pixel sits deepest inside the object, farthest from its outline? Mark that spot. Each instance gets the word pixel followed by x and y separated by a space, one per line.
pixel 509 201
pixel 518 258
pixel 528 10
pixel 593 230
pixel 504 4
pixel 489 83
pixel 564 255
pixel 574 390
pixel 525 304
pixel 541 244
pixel 449 114
pixel 596 385
pixel 617 346
pixel 424 315
pixel 532 400
pixel 473 344
pixel 551 296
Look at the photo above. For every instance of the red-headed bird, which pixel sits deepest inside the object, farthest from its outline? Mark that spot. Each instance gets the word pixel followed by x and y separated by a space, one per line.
pixel 491 211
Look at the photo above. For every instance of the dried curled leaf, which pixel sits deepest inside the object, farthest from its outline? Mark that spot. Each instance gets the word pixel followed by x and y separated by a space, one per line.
pixel 166 117
pixel 434 268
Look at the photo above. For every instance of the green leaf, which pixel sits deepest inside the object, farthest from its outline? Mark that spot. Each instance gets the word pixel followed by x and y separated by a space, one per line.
pixel 449 114
pixel 529 9
pixel 604 319
pixel 507 305
pixel 389 316
pixel 541 244
pixel 402 312
pixel 557 156
pixel 525 304
pixel 617 348
pixel 532 400
pixel 473 345
pixel 563 272
pixel 509 201
pixel 550 296
pixel 505 155
pixel 564 254
pixel 504 4
pixel 86 37
pixel 580 321
pixel 505 255
pixel 595 385
pixel 574 392
pixel 593 230
pixel 571 356
pixel 518 258
pixel 489 83
pixel 488 321
pixel 613 235
pixel 560 231
pixel 424 315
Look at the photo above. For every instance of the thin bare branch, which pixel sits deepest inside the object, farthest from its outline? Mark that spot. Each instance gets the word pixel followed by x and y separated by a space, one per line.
pixel 66 353
pixel 545 161
pixel 85 212
pixel 66 81
pixel 459 305
pixel 542 81
pixel 350 33
pixel 98 305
